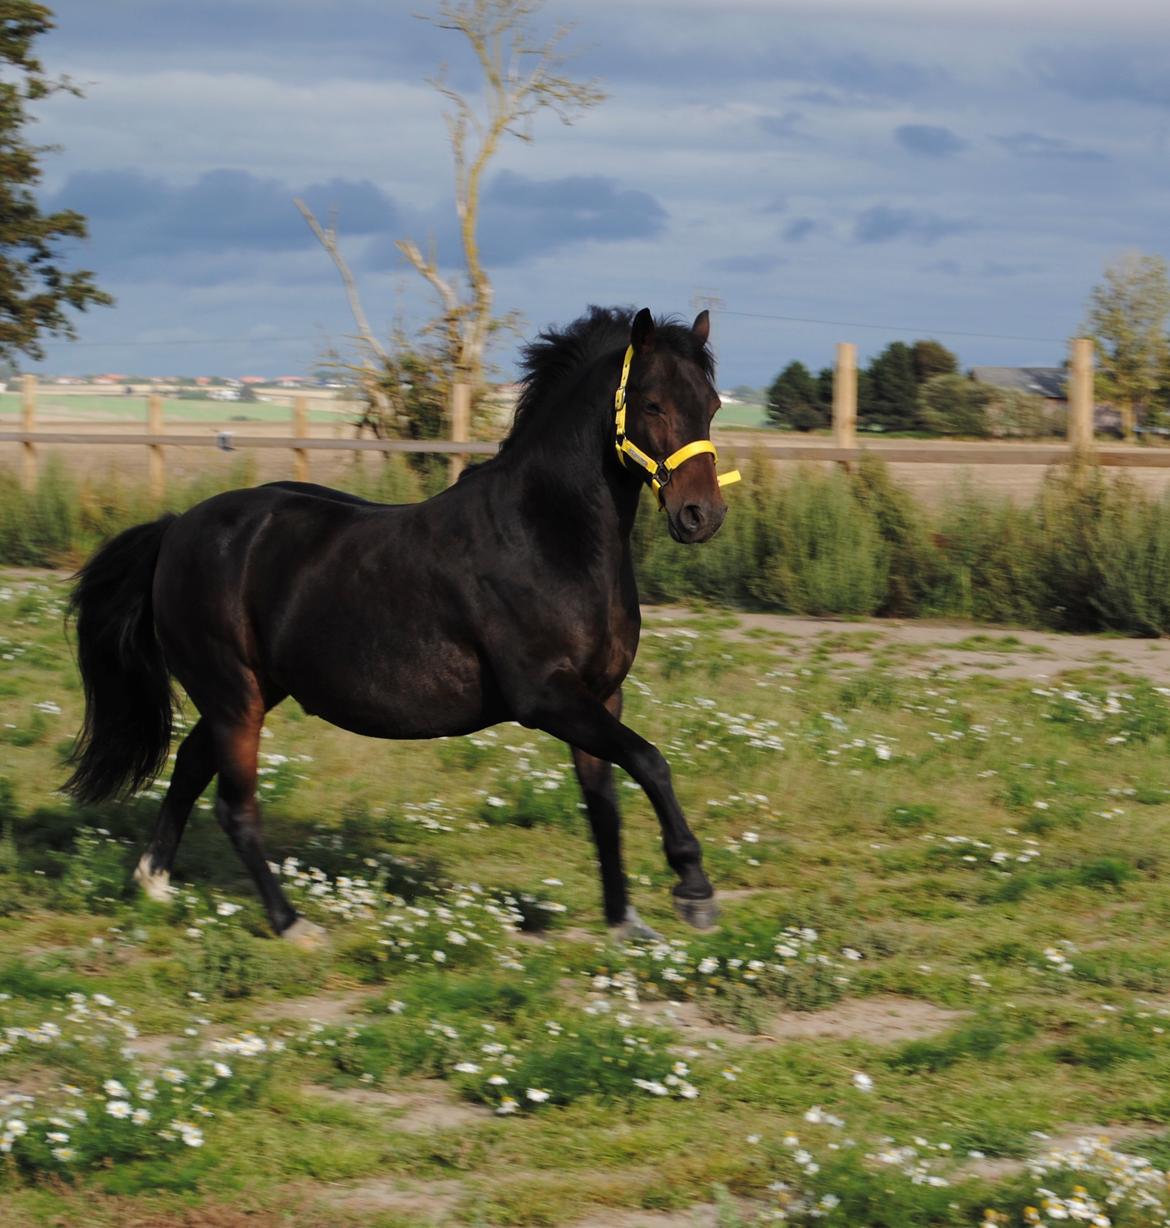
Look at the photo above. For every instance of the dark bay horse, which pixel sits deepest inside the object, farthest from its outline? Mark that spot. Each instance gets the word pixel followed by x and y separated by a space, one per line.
pixel 509 596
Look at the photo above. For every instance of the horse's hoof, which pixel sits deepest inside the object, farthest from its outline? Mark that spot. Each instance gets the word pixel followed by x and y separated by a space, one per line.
pixel 634 929
pixel 156 884
pixel 702 914
pixel 307 935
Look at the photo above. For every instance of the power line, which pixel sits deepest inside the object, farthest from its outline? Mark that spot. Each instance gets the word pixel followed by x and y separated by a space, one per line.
pixel 723 311
pixel 892 328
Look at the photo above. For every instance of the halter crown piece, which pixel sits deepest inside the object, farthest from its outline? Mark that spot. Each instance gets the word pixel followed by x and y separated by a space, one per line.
pixel 658 473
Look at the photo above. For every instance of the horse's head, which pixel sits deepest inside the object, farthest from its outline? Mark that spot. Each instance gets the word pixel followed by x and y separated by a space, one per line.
pixel 670 403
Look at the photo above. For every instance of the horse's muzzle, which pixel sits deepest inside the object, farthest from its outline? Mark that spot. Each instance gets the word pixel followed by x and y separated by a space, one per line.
pixel 696 522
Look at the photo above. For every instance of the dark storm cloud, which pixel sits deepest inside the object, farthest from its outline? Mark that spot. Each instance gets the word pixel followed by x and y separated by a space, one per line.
pixel 1035 145
pixel 782 126
pixel 884 224
pixel 522 219
pixel 1107 74
pixel 929 140
pixel 133 215
pixel 799 229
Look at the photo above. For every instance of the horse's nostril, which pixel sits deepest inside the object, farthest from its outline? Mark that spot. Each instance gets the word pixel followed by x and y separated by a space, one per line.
pixel 691 517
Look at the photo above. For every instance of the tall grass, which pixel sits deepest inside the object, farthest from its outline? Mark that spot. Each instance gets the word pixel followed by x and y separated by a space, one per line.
pixel 1090 552
pixel 67 518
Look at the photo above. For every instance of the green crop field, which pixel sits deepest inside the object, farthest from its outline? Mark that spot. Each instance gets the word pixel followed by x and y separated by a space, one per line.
pixel 175 409
pixel 741 415
pixel 939 993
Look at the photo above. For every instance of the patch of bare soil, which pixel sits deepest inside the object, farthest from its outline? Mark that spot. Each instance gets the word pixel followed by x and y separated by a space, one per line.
pixel 430 1203
pixel 878 1021
pixel 962 649
pixel 701 1215
pixel 415 1110
pixel 327 1008
pixel 994 1168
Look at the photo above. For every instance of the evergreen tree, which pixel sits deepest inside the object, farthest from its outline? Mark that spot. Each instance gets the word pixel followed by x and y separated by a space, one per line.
pixel 35 290
pixel 893 390
pixel 794 399
pixel 932 358
pixel 825 389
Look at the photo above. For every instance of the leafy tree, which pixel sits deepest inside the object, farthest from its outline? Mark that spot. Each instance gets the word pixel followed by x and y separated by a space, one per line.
pixel 892 391
pixel 794 399
pixel 950 404
pixel 1127 321
pixel 35 288
pixel 932 358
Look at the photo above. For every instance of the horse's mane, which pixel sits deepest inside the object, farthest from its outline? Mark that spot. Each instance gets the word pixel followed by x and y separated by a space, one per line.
pixel 554 362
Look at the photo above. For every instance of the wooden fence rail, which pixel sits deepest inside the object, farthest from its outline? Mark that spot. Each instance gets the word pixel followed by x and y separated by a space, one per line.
pixel 843 450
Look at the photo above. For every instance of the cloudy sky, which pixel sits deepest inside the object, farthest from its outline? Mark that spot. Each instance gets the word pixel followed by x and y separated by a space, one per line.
pixel 945 166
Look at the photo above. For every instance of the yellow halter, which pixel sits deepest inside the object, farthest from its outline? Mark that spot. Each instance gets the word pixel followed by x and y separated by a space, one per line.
pixel 658 473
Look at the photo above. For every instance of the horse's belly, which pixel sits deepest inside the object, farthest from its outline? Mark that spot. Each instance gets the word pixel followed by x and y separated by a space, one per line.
pixel 425 697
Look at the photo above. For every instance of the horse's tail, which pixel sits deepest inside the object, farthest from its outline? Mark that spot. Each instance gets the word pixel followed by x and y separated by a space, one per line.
pixel 126 734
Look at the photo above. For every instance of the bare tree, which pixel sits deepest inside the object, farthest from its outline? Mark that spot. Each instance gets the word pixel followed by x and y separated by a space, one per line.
pixel 522 75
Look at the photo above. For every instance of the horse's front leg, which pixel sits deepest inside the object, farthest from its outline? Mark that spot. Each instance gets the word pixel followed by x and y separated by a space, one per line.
pixel 563 706
pixel 595 777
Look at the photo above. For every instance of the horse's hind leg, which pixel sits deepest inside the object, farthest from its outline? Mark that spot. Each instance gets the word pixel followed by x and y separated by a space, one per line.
pixel 595 777
pixel 237 744
pixel 194 768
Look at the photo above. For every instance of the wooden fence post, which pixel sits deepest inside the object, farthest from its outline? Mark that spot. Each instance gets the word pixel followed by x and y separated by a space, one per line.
pixel 1080 394
pixel 301 431
pixel 845 396
pixel 158 464
pixel 460 426
pixel 28 422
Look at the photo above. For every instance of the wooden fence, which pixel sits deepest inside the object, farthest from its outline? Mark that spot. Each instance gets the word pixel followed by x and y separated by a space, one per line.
pixel 843 450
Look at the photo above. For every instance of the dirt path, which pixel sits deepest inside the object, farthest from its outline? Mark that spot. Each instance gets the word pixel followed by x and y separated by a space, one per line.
pixel 924 645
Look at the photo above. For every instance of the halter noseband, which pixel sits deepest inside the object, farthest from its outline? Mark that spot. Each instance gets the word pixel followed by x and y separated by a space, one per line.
pixel 658 473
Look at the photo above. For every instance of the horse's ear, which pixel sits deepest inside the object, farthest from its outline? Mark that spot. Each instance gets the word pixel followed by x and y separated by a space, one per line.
pixel 702 326
pixel 642 333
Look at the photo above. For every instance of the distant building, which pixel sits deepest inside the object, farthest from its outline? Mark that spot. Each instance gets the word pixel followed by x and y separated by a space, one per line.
pixel 1051 383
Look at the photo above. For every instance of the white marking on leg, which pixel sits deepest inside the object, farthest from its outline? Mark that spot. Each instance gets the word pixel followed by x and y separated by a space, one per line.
pixel 307 935
pixel 156 883
pixel 633 928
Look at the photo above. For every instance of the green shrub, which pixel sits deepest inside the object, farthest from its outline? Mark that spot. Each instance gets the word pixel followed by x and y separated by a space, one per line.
pixel 831 558
pixel 952 404
pixel 1091 552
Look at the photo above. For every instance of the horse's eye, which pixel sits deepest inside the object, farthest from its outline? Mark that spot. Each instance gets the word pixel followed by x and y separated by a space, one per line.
pixel 652 407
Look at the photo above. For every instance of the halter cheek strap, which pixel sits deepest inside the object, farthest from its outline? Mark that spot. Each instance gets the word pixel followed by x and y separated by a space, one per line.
pixel 658 473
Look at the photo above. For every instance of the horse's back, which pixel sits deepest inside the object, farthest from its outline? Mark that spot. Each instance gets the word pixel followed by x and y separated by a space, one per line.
pixel 316 491
pixel 355 608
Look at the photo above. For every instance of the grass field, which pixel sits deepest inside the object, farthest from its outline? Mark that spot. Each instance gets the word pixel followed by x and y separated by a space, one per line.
pixel 939 994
